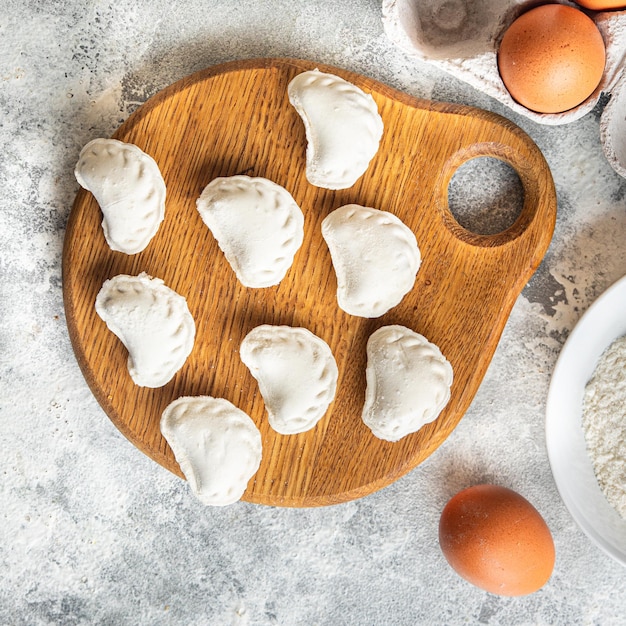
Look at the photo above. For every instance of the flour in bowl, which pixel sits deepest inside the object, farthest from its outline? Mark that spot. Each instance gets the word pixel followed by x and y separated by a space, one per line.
pixel 604 423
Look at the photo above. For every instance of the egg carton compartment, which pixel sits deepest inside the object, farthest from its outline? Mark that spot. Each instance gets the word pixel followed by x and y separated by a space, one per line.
pixel 462 38
pixel 613 129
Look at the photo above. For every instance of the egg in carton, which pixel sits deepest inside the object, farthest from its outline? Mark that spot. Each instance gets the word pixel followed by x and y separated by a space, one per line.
pixel 462 38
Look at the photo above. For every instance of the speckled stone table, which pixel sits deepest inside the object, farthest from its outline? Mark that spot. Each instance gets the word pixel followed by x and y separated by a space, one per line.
pixel 92 531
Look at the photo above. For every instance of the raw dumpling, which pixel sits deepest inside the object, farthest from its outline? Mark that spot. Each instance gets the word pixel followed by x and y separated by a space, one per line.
pixel 408 382
pixel 342 124
pixel 375 256
pixel 217 446
pixel 296 372
pixel 129 188
pixel 257 224
pixel 152 321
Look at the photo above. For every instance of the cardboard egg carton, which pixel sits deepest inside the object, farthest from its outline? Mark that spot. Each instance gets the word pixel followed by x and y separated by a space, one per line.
pixel 462 38
pixel 613 129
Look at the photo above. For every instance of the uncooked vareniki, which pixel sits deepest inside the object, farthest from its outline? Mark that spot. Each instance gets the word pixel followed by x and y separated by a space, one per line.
pixel 129 188
pixel 375 257
pixel 342 125
pixel 408 382
pixel 296 372
pixel 257 224
pixel 217 446
pixel 152 321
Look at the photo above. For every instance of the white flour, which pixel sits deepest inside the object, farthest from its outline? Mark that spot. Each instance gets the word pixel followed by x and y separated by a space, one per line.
pixel 604 423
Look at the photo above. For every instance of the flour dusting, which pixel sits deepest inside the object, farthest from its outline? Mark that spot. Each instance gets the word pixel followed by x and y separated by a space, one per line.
pixel 604 423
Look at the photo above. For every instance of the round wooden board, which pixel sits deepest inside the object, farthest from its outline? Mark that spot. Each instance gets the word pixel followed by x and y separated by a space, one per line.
pixel 236 119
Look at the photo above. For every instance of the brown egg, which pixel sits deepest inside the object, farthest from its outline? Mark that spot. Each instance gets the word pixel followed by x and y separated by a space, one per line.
pixel 602 5
pixel 551 58
pixel 497 540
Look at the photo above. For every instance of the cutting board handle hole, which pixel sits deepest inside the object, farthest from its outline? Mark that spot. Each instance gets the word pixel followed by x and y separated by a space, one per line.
pixel 485 195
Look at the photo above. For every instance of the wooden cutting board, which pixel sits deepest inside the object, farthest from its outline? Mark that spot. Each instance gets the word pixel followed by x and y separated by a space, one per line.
pixel 236 119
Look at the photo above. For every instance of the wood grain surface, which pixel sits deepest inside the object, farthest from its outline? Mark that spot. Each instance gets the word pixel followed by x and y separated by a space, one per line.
pixel 236 119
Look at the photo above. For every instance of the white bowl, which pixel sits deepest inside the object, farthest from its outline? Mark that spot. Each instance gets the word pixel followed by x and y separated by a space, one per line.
pixel 602 323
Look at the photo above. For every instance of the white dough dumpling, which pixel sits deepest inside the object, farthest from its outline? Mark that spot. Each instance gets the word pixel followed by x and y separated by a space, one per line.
pixel 129 188
pixel 217 446
pixel 257 224
pixel 408 382
pixel 296 372
pixel 342 124
pixel 375 257
pixel 152 321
